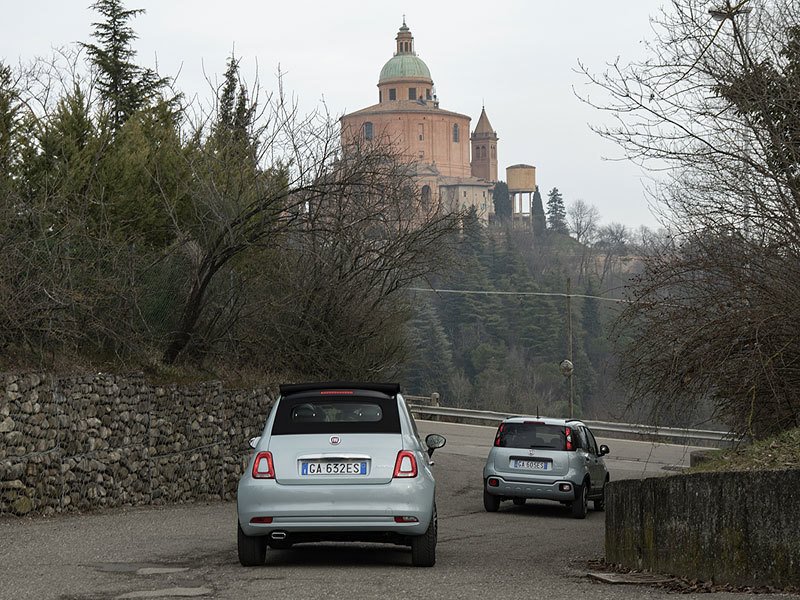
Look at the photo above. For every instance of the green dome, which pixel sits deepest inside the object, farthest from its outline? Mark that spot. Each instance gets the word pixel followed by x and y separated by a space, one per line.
pixel 404 66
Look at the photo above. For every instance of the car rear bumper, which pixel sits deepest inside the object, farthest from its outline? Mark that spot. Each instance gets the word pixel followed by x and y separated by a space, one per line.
pixel 335 508
pixel 543 490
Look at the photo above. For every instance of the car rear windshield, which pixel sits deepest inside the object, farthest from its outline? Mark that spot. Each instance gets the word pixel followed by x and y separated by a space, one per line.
pixel 531 435
pixel 347 414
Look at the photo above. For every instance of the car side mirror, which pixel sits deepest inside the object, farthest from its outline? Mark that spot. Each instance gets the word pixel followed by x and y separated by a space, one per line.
pixel 434 441
pixel 604 450
pixel 254 441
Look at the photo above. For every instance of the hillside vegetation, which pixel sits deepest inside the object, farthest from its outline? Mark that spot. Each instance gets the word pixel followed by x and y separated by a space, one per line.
pixel 781 451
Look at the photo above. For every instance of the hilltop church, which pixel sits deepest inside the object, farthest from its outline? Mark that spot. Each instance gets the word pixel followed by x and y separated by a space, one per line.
pixel 453 171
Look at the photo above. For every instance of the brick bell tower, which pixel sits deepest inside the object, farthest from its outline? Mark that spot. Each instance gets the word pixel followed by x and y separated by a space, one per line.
pixel 484 149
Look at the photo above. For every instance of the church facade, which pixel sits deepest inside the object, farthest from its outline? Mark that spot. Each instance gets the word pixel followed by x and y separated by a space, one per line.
pixel 455 168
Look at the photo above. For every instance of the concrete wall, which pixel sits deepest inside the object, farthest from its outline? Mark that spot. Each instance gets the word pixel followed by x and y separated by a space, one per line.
pixel 737 528
pixel 99 441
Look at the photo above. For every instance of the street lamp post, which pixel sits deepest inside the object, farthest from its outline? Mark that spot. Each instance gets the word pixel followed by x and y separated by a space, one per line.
pixel 567 366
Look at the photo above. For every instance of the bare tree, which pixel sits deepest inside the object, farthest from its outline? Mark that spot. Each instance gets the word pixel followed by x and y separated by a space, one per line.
pixel 715 109
pixel 353 213
pixel 612 243
pixel 583 219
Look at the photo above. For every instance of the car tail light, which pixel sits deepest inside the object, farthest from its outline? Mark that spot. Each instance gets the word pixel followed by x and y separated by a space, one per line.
pixel 405 465
pixel 336 393
pixel 568 436
pixel 406 519
pixel 262 466
pixel 493 482
pixel 565 487
pixel 499 432
pixel 261 520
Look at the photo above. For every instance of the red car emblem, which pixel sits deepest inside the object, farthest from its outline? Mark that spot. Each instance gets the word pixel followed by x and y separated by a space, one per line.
pixel 335 439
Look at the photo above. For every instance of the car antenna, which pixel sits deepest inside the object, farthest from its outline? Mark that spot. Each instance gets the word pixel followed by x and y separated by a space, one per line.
pixel 537 411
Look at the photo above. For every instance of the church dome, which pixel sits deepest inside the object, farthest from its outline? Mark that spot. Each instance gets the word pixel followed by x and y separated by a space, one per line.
pixel 404 66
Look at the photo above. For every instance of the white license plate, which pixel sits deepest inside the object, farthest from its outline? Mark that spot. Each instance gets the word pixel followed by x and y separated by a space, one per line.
pixel 538 465
pixel 333 468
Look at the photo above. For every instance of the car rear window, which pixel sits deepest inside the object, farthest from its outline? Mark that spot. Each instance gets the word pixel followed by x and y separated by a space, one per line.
pixel 322 414
pixel 531 435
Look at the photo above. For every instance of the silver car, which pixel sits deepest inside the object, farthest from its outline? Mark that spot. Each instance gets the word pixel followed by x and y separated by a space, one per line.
pixel 547 459
pixel 343 462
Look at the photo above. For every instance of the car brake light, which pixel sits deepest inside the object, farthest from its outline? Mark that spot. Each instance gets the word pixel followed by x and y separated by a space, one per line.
pixel 406 519
pixel 336 393
pixel 262 466
pixel 568 434
pixel 405 465
pixel 499 431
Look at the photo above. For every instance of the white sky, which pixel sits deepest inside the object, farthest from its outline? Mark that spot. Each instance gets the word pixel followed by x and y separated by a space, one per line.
pixel 518 57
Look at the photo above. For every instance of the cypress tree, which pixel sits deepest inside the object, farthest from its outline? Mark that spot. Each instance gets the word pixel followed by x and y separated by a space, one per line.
pixel 502 201
pixel 539 222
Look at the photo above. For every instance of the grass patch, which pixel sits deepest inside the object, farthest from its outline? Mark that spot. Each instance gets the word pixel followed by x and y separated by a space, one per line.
pixel 775 453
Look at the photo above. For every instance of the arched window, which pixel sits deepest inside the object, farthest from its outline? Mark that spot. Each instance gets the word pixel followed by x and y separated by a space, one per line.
pixel 494 151
pixel 368 130
pixel 455 132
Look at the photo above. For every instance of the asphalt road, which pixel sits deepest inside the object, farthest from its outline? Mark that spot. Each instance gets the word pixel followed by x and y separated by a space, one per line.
pixel 530 552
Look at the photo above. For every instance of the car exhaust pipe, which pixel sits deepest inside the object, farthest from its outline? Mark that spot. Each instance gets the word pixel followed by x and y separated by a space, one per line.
pixel 277 535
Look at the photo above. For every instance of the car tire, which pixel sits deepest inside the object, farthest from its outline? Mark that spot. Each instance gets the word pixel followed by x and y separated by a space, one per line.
pixel 600 503
pixel 580 505
pixel 252 549
pixel 423 547
pixel 519 501
pixel 490 502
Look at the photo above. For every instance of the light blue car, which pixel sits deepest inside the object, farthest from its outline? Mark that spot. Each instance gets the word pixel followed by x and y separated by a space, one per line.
pixel 545 459
pixel 339 462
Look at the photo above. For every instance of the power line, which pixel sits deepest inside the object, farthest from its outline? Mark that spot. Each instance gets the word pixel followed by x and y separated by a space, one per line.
pixel 496 293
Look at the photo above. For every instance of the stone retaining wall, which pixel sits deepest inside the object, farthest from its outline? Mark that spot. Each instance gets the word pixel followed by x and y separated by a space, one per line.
pixel 99 441
pixel 737 528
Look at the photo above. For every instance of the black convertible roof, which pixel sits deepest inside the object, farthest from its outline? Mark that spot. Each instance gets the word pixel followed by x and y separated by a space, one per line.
pixel 390 389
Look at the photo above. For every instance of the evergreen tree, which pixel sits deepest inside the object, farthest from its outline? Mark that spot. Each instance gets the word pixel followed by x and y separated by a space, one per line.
pixel 556 213
pixel 124 86
pixel 539 222
pixel 594 338
pixel 430 361
pixel 9 109
pixel 235 112
pixel 466 317
pixel 502 201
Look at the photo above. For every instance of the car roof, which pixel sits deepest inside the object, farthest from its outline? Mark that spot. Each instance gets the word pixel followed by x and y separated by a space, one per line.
pixel 543 421
pixel 390 389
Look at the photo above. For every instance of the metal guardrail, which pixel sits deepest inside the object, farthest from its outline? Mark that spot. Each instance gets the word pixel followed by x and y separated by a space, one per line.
pixel 695 437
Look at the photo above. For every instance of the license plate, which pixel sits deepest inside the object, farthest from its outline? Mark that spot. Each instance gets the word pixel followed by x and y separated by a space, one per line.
pixel 333 468
pixel 538 465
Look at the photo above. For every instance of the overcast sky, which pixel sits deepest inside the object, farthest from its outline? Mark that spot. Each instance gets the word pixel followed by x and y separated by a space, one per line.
pixel 518 58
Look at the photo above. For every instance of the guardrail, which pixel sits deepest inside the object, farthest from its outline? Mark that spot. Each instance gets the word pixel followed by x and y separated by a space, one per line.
pixel 671 435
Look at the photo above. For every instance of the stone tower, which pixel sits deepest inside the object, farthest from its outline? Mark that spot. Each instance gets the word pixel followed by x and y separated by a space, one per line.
pixel 484 149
